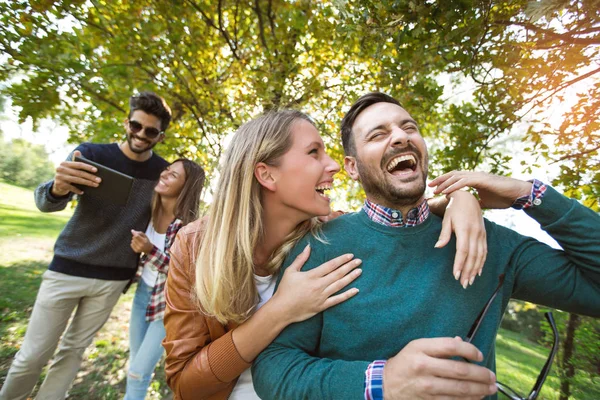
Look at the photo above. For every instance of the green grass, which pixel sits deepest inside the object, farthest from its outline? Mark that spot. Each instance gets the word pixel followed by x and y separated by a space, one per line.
pixel 26 239
pixel 21 218
pixel 519 361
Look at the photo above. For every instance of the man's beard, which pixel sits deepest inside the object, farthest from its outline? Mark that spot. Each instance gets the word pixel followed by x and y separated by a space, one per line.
pixel 377 187
pixel 136 150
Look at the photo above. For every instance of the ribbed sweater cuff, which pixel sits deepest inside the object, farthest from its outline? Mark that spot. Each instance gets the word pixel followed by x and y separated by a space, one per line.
pixel 225 360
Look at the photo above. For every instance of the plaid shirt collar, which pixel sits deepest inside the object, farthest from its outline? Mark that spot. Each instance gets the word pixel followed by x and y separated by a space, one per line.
pixel 390 217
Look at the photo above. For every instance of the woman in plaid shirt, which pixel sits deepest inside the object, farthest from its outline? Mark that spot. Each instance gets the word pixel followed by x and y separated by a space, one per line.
pixel 175 204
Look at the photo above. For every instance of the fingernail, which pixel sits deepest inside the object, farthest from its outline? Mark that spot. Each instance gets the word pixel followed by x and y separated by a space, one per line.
pixel 358 261
pixel 493 377
pixel 471 280
pixel 480 356
pixel 98 179
pixel 350 256
pixel 456 275
pixel 307 247
pixel 480 271
pixel 94 169
pixel 493 389
pixel 437 244
pixel 355 290
pixel 358 271
pixel 465 284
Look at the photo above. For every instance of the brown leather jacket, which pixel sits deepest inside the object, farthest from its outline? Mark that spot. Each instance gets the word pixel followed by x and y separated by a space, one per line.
pixel 202 361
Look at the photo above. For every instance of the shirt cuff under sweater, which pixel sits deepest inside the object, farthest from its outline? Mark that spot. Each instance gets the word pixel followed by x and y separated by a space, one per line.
pixel 374 380
pixel 553 208
pixel 533 199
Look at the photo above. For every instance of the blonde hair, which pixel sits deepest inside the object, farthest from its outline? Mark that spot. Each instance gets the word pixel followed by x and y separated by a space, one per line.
pixel 225 285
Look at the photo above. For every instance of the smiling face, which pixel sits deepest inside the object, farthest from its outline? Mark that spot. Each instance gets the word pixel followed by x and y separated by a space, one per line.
pixel 171 180
pixel 391 156
pixel 304 173
pixel 138 142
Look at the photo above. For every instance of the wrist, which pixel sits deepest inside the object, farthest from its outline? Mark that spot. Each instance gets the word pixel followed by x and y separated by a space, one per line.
pixel 457 193
pixel 525 189
pixel 55 192
pixel 275 309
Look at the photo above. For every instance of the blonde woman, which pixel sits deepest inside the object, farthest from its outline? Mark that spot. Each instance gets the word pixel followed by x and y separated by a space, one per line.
pixel 221 310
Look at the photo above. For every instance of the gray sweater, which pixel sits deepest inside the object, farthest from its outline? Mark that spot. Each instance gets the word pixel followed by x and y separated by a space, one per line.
pixel 95 243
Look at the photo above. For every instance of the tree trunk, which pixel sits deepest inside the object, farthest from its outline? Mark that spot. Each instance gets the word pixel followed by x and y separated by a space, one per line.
pixel 568 370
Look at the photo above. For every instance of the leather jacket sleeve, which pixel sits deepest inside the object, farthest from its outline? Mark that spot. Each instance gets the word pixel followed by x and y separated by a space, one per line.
pixel 202 361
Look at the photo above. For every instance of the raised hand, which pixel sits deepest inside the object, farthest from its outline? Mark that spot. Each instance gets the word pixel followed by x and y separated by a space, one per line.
pixel 140 242
pixel 304 294
pixel 69 173
pixel 463 217
pixel 494 191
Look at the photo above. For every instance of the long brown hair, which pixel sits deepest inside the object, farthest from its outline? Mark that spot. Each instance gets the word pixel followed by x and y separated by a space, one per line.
pixel 187 206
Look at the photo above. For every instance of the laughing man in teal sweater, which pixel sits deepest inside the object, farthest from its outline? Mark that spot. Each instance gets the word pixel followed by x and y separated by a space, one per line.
pixel 397 337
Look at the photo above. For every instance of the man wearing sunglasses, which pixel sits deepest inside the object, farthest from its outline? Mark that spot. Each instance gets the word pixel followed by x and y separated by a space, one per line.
pixel 408 332
pixel 93 261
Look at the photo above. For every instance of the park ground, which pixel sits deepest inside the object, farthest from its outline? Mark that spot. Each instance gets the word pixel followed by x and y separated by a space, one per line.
pixel 26 240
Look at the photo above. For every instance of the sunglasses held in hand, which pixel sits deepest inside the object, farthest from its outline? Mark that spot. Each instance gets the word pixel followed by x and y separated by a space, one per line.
pixel 502 388
pixel 151 132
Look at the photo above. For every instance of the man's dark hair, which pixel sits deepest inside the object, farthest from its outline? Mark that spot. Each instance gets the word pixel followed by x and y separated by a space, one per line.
pixel 151 103
pixel 358 107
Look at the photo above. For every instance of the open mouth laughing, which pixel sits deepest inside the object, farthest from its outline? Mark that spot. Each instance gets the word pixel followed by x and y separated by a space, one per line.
pixel 402 164
pixel 322 188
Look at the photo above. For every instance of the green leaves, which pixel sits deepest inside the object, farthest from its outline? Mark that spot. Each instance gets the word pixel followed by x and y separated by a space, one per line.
pixel 518 57
pixel 220 63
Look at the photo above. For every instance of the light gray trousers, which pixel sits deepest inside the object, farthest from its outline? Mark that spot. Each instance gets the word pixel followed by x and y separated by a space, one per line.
pixel 58 296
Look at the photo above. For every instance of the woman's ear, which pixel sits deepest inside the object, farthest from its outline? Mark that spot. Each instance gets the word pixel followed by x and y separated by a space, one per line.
pixel 264 175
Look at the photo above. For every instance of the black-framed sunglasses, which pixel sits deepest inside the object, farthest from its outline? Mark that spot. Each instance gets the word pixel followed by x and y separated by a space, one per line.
pixel 502 388
pixel 151 132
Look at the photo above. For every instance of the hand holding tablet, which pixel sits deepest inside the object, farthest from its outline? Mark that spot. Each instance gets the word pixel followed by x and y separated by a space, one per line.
pixel 107 184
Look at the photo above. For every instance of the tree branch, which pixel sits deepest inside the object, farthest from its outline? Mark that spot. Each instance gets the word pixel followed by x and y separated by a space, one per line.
pixel 577 155
pixel 261 28
pixel 567 36
pixel 567 84
pixel 100 97
pixel 272 24
pixel 218 27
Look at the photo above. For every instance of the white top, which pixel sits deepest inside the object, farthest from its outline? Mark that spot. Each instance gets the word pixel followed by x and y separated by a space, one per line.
pixel 149 274
pixel 244 389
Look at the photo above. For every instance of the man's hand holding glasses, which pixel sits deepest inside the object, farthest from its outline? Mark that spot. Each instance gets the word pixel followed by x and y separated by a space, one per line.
pixel 423 370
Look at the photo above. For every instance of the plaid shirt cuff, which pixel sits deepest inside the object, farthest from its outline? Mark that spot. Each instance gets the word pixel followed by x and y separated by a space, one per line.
pixel 374 380
pixel 533 199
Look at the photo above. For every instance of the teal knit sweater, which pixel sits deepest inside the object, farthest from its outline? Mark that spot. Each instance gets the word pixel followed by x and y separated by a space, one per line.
pixel 407 292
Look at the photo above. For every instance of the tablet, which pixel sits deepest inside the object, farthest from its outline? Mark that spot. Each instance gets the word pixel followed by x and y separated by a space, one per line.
pixel 114 187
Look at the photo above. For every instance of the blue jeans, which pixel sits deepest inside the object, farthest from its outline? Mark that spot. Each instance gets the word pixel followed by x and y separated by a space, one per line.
pixel 145 349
